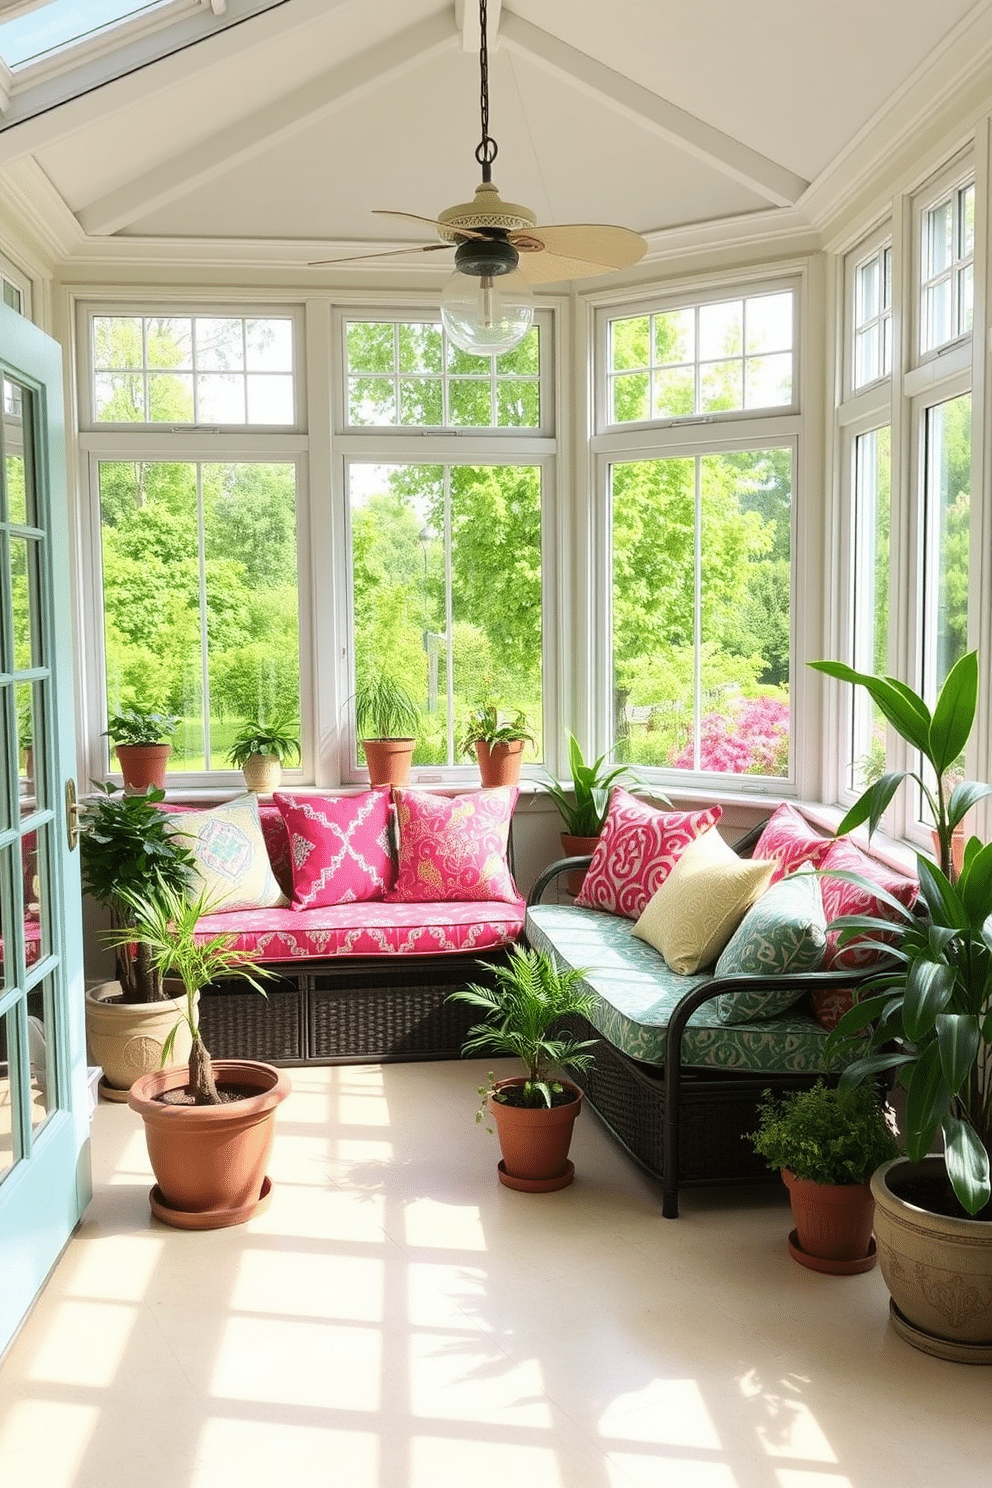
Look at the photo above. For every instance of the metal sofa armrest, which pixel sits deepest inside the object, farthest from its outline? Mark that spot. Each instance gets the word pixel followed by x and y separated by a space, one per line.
pixel 563 865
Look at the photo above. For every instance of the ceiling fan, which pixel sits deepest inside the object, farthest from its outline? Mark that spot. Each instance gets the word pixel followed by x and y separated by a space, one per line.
pixel 500 250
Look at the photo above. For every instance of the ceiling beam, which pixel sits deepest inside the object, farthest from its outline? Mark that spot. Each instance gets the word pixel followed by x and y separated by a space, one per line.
pixel 299 109
pixel 772 181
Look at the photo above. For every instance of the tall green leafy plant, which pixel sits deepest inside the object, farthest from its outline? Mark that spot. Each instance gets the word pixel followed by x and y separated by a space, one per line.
pixel 930 1018
pixel 583 810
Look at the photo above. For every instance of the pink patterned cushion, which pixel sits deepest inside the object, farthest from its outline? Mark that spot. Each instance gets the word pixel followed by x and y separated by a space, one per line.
pixel 789 840
pixel 842 898
pixel 370 929
pixel 277 846
pixel 637 849
pixel 339 847
pixel 454 848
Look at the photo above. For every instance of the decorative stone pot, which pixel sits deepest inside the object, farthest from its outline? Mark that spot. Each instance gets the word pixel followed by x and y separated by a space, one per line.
pixel 576 847
pixel 500 764
pixel 534 1140
pixel 937 1268
pixel 142 765
pixel 833 1225
pixel 389 760
pixel 126 1038
pixel 263 773
pixel 210 1161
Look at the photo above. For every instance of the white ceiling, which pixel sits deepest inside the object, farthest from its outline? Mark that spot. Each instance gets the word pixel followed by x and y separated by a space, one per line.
pixel 276 138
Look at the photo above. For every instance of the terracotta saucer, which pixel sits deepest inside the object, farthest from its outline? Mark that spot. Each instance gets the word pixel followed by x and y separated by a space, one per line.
pixel 536 1185
pixel 209 1219
pixel 832 1268
pixel 111 1092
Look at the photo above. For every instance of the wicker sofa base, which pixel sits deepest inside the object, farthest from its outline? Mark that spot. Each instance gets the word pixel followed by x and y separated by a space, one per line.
pixel 356 1010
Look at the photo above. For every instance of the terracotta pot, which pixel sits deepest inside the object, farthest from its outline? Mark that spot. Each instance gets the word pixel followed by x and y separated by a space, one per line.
pixel 388 760
pixel 833 1224
pixel 500 765
pixel 142 765
pixel 576 847
pixel 125 1038
pixel 937 1268
pixel 534 1140
pixel 263 773
pixel 209 1161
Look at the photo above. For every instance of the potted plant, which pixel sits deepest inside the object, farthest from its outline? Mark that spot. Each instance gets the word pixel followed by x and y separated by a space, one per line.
pixel 209 1127
pixel 583 810
pixel 260 750
pixel 141 740
pixel 534 1112
pixel 498 740
pixel 827 1143
pixel 125 849
pixel 387 718
pixel 930 1021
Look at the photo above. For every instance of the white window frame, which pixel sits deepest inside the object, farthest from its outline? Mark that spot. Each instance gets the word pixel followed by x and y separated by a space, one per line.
pixel 954 178
pixel 872 247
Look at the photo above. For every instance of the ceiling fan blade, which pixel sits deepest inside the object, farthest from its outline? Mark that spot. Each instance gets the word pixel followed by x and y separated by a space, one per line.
pixel 463 232
pixel 577 251
pixel 322 263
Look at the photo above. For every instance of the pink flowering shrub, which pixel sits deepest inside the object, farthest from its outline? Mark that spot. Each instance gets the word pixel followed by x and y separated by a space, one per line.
pixel 751 737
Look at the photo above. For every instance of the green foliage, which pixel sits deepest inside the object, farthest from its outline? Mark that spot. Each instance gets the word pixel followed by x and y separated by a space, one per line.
pixel 930 1019
pixel 385 709
pixel 825 1135
pixel 530 998
pixel 126 850
pixel 488 724
pixel 165 926
pixel 584 814
pixel 141 726
pixel 280 737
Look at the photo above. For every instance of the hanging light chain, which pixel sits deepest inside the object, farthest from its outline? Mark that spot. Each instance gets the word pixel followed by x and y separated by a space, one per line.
pixel 487 148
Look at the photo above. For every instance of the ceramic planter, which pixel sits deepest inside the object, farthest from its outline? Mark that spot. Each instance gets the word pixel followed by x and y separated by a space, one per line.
pixel 210 1161
pixel 263 773
pixel 937 1268
pixel 389 760
pixel 534 1140
pixel 833 1225
pixel 126 1038
pixel 500 764
pixel 142 765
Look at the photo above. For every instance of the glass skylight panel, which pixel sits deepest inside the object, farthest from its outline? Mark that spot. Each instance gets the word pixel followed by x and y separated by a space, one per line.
pixel 64 23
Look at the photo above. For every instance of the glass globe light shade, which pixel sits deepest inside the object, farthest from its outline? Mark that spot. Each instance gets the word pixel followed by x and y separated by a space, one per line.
pixel 487 314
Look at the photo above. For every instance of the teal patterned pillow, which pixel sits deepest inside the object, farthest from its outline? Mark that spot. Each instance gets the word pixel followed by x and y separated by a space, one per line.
pixel 786 931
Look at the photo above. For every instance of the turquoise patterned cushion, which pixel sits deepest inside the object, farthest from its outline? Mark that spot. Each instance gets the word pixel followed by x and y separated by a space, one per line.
pixel 786 931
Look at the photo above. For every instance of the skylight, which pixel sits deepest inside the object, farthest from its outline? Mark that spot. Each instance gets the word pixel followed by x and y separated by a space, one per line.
pixel 64 23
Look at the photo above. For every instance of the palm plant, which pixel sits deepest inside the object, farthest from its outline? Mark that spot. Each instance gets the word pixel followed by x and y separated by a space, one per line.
pixel 583 811
pixel 531 997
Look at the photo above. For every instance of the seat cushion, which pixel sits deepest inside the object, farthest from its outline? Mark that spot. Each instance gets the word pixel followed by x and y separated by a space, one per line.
pixel 637 849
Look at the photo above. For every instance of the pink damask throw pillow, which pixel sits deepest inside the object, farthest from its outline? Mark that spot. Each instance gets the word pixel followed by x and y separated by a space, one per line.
pixel 843 898
pixel 454 848
pixel 339 847
pixel 637 850
pixel 789 841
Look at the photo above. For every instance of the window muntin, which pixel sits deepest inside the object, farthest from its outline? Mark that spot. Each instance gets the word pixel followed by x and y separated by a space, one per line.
pixel 870 592
pixel 407 374
pixel 873 317
pixel 727 356
pixel 701 611
pixel 446 578
pixel 200 606
pixel 947 247
pixel 193 369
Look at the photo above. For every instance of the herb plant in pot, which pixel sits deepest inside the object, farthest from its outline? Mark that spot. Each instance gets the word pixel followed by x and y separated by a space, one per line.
pixel 534 1113
pixel 260 750
pixel 930 1022
pixel 498 739
pixel 583 809
pixel 208 1126
pixel 827 1143
pixel 126 850
pixel 141 740
pixel 387 717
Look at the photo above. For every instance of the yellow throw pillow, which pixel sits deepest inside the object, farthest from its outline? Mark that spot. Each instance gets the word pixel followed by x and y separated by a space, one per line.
pixel 231 864
pixel 702 901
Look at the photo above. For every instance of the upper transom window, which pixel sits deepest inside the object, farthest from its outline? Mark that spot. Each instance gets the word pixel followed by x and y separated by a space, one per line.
pixel 193 369
pixel 947 251
pixel 725 356
pixel 407 374
pixel 873 317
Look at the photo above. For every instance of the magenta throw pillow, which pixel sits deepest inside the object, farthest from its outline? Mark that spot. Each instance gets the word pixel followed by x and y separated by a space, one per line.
pixel 454 847
pixel 789 841
pixel 339 847
pixel 842 898
pixel 637 850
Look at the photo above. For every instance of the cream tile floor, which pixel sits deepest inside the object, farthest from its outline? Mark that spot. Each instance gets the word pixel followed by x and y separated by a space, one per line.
pixel 398 1320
